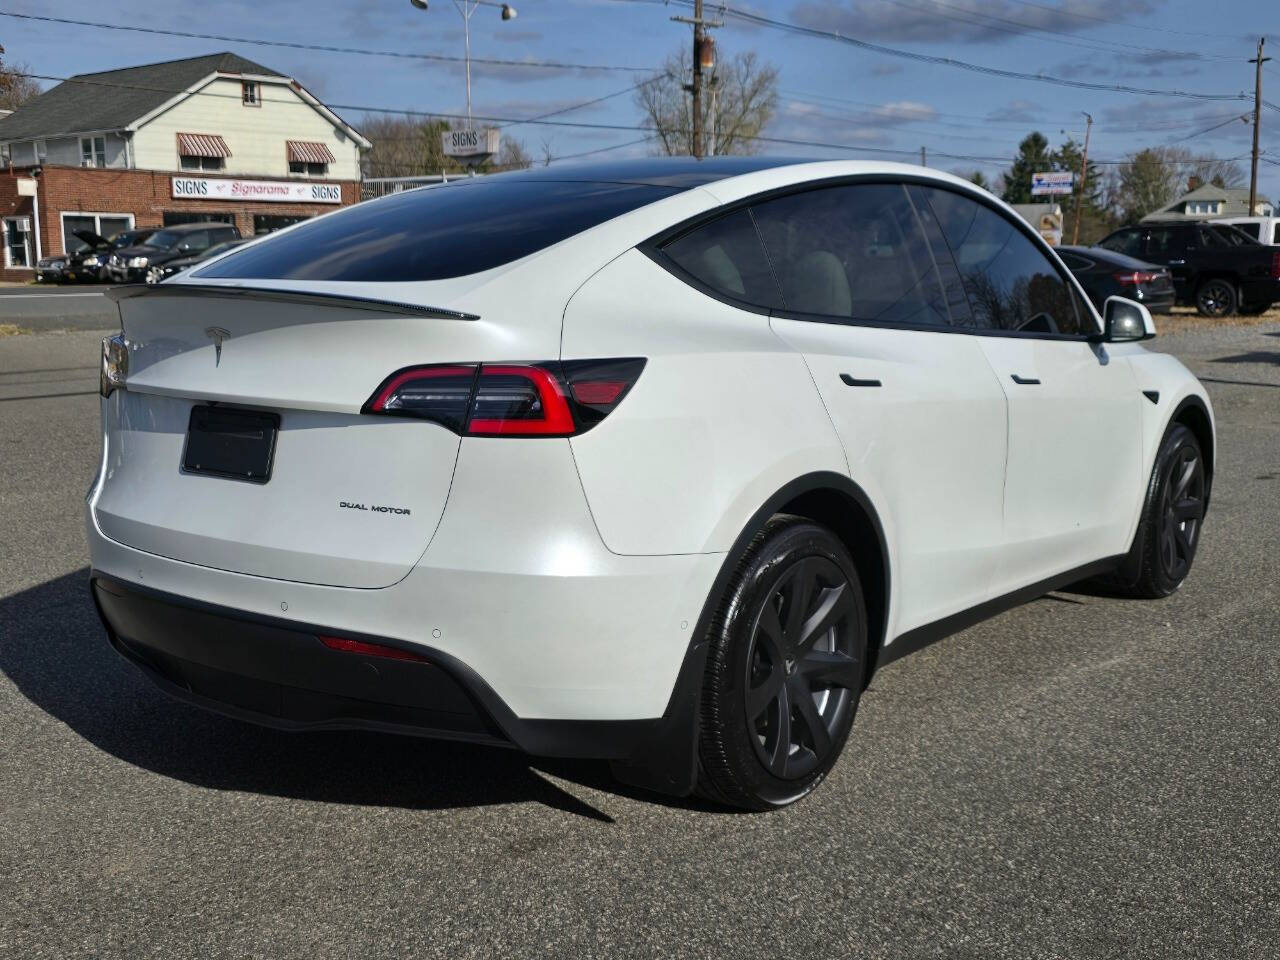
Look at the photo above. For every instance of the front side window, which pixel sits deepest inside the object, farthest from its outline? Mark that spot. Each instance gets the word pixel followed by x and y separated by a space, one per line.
pixel 853 252
pixel 726 256
pixel 93 151
pixel 437 232
pixel 1012 285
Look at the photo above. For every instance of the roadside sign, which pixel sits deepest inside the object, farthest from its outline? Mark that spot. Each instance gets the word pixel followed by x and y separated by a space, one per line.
pixel 470 143
pixel 1043 184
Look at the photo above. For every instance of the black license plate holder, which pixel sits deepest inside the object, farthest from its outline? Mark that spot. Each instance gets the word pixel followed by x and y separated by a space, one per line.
pixel 230 443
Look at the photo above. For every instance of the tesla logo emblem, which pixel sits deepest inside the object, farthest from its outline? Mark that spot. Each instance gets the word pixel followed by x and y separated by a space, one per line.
pixel 217 335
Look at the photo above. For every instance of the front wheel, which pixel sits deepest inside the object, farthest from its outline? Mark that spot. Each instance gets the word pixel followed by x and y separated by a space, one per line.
pixel 1172 516
pixel 785 669
pixel 1216 298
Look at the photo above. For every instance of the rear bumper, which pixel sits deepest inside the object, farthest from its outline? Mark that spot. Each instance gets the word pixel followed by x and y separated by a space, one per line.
pixel 279 674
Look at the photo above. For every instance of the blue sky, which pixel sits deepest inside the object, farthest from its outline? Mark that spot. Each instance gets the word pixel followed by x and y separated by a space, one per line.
pixel 830 92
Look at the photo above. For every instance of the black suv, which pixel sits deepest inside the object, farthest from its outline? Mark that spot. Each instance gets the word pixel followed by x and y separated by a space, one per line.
pixel 130 264
pixel 1210 272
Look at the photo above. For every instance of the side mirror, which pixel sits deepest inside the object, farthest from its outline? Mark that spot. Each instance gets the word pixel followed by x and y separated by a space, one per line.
pixel 1125 321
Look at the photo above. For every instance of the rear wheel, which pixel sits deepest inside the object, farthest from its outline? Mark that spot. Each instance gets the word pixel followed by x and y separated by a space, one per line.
pixel 785 669
pixel 1172 517
pixel 1216 298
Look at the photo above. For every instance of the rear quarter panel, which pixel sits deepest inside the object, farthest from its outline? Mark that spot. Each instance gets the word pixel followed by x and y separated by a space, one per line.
pixel 723 415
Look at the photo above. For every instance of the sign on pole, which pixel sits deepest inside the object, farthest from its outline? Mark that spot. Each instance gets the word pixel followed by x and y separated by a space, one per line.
pixel 470 144
pixel 1048 184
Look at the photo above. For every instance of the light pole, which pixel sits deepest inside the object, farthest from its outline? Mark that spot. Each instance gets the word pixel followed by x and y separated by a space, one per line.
pixel 466 8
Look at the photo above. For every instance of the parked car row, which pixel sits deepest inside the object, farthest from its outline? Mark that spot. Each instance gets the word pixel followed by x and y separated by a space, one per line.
pixel 134 256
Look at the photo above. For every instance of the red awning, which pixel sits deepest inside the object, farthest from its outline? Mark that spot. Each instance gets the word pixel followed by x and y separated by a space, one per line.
pixel 304 151
pixel 202 145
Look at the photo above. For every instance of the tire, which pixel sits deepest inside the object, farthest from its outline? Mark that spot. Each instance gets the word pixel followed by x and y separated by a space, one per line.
pixel 1216 297
pixel 785 668
pixel 1172 518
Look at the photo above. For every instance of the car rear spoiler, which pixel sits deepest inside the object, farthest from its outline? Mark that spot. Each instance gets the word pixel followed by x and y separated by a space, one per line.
pixel 370 304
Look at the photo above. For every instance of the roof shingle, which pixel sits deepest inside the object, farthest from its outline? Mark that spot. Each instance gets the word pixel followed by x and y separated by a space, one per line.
pixel 113 99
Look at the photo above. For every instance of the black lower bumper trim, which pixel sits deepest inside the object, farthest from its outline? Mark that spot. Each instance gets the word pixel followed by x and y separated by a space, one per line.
pixel 278 673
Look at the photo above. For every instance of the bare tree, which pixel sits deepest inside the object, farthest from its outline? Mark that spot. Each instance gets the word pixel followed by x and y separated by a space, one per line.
pixel 511 155
pixel 746 96
pixel 16 86
pixel 1155 177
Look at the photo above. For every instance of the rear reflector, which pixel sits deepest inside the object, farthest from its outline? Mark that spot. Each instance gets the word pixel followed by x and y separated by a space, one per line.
pixel 554 399
pixel 347 645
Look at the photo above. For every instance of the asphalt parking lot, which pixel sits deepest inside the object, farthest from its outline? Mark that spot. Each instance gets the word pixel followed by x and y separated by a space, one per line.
pixel 1081 777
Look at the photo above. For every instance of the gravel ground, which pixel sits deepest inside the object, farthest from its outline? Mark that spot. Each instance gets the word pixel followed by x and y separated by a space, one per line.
pixel 1082 777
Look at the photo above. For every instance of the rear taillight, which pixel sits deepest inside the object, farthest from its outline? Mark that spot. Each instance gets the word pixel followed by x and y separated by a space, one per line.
pixel 1275 266
pixel 1135 277
pixel 115 365
pixel 554 399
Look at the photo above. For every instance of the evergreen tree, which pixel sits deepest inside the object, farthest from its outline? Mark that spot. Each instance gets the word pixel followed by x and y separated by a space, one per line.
pixel 1033 157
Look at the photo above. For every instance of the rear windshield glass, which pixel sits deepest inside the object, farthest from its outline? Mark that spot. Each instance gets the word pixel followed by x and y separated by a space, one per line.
pixel 437 232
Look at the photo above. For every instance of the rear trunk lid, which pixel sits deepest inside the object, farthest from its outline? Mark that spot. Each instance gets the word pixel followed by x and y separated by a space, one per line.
pixel 351 500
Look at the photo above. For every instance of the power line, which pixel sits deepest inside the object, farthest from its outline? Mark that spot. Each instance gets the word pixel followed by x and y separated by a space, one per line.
pixel 573 124
pixel 399 55
pixel 814 32
pixel 1063 11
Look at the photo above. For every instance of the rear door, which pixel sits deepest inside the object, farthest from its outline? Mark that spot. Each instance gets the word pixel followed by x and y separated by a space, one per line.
pixel 1074 472
pixel 876 311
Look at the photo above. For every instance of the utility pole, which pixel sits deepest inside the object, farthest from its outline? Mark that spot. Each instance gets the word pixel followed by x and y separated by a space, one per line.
pixel 703 55
pixel 1084 176
pixel 924 158
pixel 1257 118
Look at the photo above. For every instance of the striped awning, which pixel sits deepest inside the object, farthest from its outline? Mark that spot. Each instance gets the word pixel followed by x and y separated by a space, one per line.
pixel 305 151
pixel 202 145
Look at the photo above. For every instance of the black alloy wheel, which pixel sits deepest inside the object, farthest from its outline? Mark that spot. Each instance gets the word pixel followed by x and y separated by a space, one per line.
pixel 1181 510
pixel 1172 521
pixel 786 668
pixel 1216 298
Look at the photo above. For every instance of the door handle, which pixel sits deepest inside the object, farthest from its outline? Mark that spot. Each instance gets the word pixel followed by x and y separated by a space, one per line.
pixel 853 381
pixel 1177 263
pixel 1025 381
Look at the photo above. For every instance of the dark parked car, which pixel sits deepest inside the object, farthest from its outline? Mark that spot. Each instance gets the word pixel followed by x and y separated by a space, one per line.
pixel 50 269
pixel 131 264
pixel 166 270
pixel 1105 273
pixel 89 263
pixel 1210 272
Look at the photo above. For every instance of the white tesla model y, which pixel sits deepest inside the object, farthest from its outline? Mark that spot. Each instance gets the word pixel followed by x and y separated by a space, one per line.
pixel 654 462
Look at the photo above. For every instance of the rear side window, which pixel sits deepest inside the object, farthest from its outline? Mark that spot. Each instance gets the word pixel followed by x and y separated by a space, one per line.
pixel 853 252
pixel 1011 283
pixel 726 256
pixel 436 232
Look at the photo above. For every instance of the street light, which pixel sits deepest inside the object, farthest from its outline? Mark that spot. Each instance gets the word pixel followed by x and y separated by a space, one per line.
pixel 467 8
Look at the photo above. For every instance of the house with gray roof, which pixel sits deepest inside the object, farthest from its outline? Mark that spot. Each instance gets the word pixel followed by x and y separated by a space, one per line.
pixel 1207 201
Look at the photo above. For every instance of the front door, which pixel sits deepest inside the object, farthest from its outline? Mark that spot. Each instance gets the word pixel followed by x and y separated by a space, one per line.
pixel 1074 456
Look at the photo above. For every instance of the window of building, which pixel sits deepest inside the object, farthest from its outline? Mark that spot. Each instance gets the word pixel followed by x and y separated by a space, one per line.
pixel 172 218
pixel 249 93
pixel 17 244
pixel 309 169
pixel 104 224
pixel 93 151
pixel 269 223
pixel 42 151
pixel 202 163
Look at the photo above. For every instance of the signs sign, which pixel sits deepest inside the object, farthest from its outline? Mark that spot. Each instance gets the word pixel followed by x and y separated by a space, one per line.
pixel 270 191
pixel 1043 184
pixel 470 143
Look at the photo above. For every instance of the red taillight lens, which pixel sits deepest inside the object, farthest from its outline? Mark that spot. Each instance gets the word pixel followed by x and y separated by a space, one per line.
pixel 1135 277
pixel 1275 266
pixel 347 645
pixel 558 399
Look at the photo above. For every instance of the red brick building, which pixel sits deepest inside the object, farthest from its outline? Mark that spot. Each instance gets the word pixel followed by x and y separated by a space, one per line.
pixel 208 138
